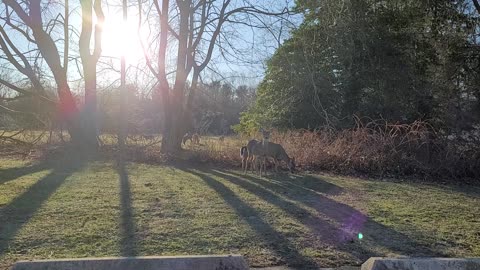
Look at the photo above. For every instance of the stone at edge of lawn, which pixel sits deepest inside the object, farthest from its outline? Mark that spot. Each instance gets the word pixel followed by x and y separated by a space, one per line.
pixel 378 263
pixel 218 262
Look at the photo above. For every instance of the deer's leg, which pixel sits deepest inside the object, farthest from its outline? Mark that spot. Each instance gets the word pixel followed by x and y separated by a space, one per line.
pixel 245 164
pixel 253 164
pixel 262 166
pixel 265 165
pixel 251 160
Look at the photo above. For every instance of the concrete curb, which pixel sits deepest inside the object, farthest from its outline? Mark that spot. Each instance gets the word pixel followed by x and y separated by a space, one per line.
pixel 214 262
pixel 377 263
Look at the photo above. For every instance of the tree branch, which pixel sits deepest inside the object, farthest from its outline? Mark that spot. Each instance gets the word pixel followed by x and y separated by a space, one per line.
pixel 66 39
pixel 477 5
pixel 18 29
pixel 215 34
pixel 27 69
pixel 25 92
pixel 145 54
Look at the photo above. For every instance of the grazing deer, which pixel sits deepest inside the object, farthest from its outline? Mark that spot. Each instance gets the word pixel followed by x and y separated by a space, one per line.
pixel 278 153
pixel 186 137
pixel 196 139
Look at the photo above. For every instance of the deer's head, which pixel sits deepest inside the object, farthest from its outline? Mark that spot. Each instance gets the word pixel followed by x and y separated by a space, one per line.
pixel 265 134
pixel 291 165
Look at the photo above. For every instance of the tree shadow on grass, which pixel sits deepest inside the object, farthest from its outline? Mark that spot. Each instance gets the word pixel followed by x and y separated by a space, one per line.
pixel 20 210
pixel 302 184
pixel 325 231
pixel 274 239
pixel 350 219
pixel 128 244
pixel 10 174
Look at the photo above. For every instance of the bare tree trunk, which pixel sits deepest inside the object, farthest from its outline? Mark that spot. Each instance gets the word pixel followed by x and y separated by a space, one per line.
pixel 188 111
pixel 173 136
pixel 66 36
pixel 89 119
pixel 173 104
pixel 89 62
pixel 69 114
pixel 171 140
pixel 122 132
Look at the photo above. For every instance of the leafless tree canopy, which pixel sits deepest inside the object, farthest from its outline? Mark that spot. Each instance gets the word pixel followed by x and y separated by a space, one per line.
pixel 190 33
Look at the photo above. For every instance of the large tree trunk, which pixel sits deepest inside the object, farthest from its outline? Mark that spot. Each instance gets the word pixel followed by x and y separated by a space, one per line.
pixel 175 125
pixel 68 113
pixel 173 130
pixel 188 111
pixel 89 115
pixel 89 63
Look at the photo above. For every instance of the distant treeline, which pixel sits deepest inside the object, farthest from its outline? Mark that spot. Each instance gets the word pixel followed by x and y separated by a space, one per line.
pixel 216 107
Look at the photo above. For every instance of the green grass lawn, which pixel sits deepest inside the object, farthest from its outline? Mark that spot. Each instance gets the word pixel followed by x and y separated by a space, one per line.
pixel 72 208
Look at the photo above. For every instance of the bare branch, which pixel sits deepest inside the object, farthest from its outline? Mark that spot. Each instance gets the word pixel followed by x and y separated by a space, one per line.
pixel 147 58
pixel 45 42
pixel 66 37
pixel 8 110
pixel 15 88
pixel 8 21
pixel 215 34
pixel 477 5
pixel 27 69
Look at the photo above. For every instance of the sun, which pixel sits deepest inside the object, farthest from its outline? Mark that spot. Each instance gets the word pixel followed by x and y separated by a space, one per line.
pixel 120 38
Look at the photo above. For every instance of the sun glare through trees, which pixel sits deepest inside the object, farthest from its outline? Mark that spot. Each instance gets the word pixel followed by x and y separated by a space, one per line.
pixel 123 38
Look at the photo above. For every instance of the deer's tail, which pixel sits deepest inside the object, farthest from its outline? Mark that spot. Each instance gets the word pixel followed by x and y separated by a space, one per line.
pixel 243 151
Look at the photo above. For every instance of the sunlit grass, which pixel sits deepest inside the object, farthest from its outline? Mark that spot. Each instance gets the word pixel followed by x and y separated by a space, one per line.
pixel 85 210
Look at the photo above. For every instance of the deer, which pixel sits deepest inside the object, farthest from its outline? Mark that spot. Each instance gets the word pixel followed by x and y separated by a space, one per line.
pixel 256 152
pixel 244 157
pixel 278 153
pixel 186 137
pixel 194 138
